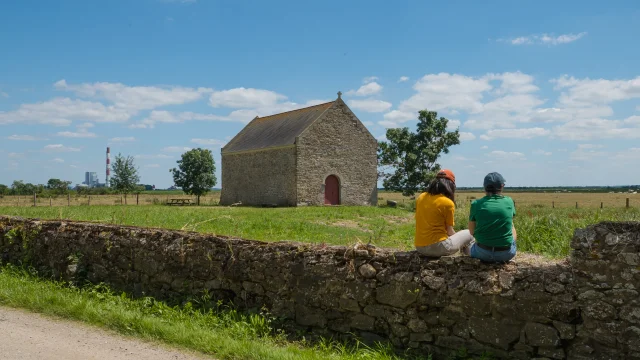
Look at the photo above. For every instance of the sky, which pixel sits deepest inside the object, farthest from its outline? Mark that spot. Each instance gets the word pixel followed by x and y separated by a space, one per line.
pixel 545 92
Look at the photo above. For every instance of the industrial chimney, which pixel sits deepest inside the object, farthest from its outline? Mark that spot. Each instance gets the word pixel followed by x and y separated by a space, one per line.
pixel 106 182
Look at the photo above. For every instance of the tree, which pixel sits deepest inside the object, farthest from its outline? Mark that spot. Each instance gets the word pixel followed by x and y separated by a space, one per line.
pixel 4 190
pixel 58 186
pixel 413 157
pixel 125 175
pixel 196 172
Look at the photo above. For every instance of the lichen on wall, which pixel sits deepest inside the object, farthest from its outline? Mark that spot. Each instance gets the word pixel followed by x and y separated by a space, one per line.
pixel 583 307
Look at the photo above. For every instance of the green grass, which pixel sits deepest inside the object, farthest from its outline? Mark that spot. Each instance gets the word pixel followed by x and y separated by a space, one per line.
pixel 221 332
pixel 541 230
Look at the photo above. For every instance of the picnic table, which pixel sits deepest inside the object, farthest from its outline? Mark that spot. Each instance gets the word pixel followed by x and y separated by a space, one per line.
pixel 179 202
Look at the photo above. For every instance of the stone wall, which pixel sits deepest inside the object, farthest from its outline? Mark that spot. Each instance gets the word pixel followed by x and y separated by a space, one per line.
pixel 337 144
pixel 260 177
pixel 584 307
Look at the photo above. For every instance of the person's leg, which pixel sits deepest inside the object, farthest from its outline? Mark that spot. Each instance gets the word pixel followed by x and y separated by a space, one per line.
pixel 443 248
pixel 461 239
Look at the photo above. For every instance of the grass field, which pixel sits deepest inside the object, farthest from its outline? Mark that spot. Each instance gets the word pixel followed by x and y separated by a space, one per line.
pixel 541 230
pixel 558 200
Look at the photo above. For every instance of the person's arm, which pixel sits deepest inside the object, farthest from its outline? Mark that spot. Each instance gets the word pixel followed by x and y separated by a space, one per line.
pixel 513 231
pixel 450 230
pixel 449 212
pixel 472 227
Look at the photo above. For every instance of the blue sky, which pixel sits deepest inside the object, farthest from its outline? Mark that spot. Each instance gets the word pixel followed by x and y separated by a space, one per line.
pixel 545 92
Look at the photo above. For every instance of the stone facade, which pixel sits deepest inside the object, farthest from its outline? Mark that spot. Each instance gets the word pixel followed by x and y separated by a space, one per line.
pixel 260 177
pixel 334 143
pixel 583 307
pixel 337 144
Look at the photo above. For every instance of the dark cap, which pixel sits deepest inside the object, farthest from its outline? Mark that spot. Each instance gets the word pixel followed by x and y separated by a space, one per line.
pixel 493 180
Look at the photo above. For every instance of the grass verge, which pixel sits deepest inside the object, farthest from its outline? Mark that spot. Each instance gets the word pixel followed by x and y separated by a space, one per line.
pixel 221 332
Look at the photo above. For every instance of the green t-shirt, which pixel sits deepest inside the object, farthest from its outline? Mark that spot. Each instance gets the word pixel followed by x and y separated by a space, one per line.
pixel 493 215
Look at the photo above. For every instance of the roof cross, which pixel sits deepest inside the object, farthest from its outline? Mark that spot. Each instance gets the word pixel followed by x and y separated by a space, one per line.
pixel 339 94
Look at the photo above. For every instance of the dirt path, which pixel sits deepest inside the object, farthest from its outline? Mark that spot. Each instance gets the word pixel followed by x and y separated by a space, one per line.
pixel 28 336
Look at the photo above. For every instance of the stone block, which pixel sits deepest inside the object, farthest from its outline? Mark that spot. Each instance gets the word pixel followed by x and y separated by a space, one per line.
pixel 494 332
pixel 541 335
pixel 362 322
pixel 367 271
pixel 566 331
pixel 397 294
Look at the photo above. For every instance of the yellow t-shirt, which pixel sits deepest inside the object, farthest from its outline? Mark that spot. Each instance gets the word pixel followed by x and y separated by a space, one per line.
pixel 433 214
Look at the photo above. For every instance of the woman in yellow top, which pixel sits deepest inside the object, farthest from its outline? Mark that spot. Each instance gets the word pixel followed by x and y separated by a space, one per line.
pixel 435 210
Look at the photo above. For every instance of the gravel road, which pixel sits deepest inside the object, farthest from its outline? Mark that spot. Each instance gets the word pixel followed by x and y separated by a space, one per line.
pixel 28 336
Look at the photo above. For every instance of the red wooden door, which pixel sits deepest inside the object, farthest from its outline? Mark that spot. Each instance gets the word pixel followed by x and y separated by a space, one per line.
pixel 331 191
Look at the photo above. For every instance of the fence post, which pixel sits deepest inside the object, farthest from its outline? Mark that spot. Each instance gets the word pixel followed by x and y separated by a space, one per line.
pixel 89 203
pixel 576 204
pixel 34 199
pixel 50 203
pixel 137 202
pixel 69 199
pixel 553 204
pixel 601 205
pixel 627 203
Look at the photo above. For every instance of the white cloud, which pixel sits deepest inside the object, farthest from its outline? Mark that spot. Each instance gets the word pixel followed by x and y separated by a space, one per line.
pixel 595 129
pixel 241 98
pixel 370 105
pixel 542 152
pixel 168 117
pixel 62 111
pixel 153 156
pixel 397 117
pixel 4 94
pixel 22 138
pixel 79 134
pixel 60 148
pixel 176 149
pixel 134 98
pixel 505 155
pixel 122 139
pixel 447 91
pixel 528 133
pixel 453 124
pixel 544 39
pixel 466 136
pixel 73 166
pixel 589 92
pixel 403 79
pixel 85 125
pixel 484 147
pixel 369 79
pixel 15 155
pixel 152 166
pixel 629 154
pixel 209 142
pixel 370 88
pixel 586 152
pixel 58 160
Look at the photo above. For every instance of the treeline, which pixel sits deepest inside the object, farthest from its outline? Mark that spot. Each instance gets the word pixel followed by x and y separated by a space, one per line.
pixel 57 187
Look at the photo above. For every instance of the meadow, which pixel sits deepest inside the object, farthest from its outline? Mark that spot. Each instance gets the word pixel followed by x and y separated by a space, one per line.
pixel 542 229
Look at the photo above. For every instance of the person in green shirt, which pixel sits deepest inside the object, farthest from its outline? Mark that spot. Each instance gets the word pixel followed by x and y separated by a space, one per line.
pixel 491 223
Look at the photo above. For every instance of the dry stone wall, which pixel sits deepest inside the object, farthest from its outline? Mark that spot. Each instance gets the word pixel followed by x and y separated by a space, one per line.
pixel 583 307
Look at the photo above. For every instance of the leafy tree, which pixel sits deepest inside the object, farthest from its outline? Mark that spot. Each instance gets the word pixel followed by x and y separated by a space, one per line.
pixel 4 190
pixel 58 186
pixel 196 172
pixel 125 175
pixel 409 160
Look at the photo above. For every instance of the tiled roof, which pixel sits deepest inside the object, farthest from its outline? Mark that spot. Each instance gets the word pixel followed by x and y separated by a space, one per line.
pixel 275 130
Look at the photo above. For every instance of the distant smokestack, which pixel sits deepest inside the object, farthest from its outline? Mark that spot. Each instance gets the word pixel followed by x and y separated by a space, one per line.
pixel 106 182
